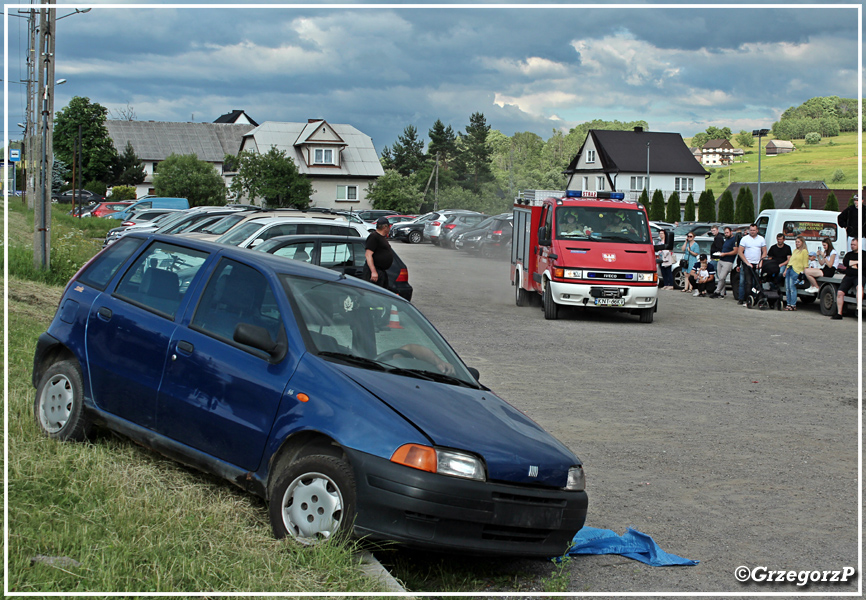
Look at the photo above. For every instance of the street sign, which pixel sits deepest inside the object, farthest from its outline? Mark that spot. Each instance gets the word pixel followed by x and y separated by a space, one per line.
pixel 14 154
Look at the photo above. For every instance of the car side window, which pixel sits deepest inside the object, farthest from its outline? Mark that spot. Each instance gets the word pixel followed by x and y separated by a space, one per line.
pixel 235 294
pixel 762 226
pixel 100 271
pixel 337 254
pixel 302 251
pixel 284 229
pixel 160 277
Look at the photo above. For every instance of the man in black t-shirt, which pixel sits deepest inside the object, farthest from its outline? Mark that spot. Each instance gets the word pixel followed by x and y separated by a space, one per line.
pixel 850 280
pixel 378 254
pixel 780 254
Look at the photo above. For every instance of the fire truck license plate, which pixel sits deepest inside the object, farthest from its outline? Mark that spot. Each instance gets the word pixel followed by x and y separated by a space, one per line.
pixel 610 301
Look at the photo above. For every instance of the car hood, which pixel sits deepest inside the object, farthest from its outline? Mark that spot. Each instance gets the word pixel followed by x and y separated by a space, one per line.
pixel 512 445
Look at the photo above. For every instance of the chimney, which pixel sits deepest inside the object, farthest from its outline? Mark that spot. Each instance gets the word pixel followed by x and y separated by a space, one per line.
pixel 638 129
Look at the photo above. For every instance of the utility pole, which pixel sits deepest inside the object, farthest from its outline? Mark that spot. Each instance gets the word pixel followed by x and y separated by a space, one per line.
pixel 42 205
pixel 30 151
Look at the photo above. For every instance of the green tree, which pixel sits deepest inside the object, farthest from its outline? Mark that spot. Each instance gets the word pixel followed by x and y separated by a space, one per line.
pixel 98 152
pixel 744 211
pixel 745 139
pixel 656 208
pixel 700 139
pixel 689 210
pixel 185 176
pixel 443 141
pixel 272 177
pixel 473 159
pixel 127 168
pixel 767 202
pixel 231 163
pixel 726 207
pixel 407 153
pixel 707 206
pixel 832 202
pixel 394 192
pixel 716 133
pixel 673 212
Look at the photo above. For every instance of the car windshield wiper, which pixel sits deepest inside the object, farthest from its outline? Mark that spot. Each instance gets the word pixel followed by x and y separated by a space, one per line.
pixel 430 375
pixel 355 359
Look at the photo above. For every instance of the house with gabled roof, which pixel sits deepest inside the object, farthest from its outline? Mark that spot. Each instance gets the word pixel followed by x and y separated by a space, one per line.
pixel 717 153
pixel 154 141
pixel 237 117
pixel 784 192
pixel 629 161
pixel 340 160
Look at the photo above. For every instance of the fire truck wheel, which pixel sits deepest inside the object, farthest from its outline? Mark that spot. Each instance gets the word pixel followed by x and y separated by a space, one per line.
pixel 551 309
pixel 647 314
pixel 521 296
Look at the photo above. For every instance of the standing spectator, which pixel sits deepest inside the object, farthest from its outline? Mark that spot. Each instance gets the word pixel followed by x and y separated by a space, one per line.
pixel 703 277
pixel 796 266
pixel 716 247
pixel 779 254
pixel 848 219
pixel 826 265
pixel 752 251
pixel 690 251
pixel 378 254
pixel 667 264
pixel 726 262
pixel 850 280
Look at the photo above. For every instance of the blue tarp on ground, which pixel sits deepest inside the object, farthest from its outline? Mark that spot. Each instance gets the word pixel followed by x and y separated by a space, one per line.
pixel 632 544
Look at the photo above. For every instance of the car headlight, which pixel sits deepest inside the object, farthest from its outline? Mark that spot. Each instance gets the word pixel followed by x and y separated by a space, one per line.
pixel 440 460
pixel 647 276
pixel 576 479
pixel 573 273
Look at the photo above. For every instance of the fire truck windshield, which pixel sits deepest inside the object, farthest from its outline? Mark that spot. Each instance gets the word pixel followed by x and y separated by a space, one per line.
pixel 615 224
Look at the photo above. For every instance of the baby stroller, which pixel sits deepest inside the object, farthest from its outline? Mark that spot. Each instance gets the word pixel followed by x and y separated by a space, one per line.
pixel 762 286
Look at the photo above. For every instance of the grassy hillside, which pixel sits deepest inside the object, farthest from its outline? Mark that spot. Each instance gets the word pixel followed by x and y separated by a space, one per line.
pixel 806 163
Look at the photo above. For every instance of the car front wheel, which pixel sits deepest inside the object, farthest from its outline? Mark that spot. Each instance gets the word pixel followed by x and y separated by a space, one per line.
pixel 313 500
pixel 415 237
pixel 59 404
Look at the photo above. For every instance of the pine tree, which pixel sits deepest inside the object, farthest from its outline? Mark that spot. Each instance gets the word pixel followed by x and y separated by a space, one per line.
pixel 726 207
pixel 408 152
pixel 707 206
pixel 832 202
pixel 745 208
pixel 443 141
pixel 689 210
pixel 473 160
pixel 767 202
pixel 657 208
pixel 673 214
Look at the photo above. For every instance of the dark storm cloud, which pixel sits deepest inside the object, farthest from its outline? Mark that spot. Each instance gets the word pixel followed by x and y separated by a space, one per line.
pixel 381 69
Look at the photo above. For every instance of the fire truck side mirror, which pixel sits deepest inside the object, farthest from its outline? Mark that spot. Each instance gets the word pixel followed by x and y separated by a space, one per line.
pixel 543 236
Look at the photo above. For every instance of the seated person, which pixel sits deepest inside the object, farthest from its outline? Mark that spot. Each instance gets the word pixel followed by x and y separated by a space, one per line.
pixel 570 226
pixel 617 223
pixel 703 276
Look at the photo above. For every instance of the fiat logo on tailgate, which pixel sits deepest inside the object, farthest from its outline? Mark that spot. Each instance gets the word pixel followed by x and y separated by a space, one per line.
pixel 609 256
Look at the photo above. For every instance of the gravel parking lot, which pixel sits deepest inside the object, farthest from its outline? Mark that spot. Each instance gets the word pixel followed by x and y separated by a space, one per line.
pixel 729 435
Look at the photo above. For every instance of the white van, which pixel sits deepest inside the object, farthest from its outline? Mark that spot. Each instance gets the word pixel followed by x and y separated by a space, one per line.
pixel 814 225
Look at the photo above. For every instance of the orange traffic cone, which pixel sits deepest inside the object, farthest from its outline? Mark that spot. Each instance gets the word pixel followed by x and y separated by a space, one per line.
pixel 394 320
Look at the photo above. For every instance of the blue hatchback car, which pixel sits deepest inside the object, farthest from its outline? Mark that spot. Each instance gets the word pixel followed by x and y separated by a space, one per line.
pixel 334 400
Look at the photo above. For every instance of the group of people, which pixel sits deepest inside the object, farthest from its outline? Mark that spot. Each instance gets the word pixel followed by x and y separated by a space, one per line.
pixel 707 276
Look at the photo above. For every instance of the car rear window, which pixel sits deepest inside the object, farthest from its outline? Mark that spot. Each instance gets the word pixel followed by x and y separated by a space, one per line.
pixel 103 267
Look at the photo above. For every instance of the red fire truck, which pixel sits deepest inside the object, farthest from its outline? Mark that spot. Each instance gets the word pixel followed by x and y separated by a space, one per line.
pixel 587 249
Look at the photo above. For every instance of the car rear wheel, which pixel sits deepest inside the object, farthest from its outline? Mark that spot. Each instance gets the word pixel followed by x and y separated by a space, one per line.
pixel 313 500
pixel 59 404
pixel 679 279
pixel 415 237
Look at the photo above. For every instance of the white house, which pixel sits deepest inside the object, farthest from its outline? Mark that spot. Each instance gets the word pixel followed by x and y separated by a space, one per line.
pixel 629 161
pixel 154 141
pixel 340 160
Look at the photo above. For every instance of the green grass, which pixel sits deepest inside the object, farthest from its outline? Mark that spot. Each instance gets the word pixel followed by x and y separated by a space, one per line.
pixel 806 163
pixel 132 520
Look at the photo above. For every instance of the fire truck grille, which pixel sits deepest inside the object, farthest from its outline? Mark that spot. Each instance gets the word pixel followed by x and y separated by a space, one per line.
pixel 610 276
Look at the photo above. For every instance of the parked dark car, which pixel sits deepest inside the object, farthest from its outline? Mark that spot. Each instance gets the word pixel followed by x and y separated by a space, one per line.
pixel 497 237
pixel 471 240
pixel 338 253
pixel 277 376
pixel 81 197
pixel 458 223
pixel 370 216
pixel 411 232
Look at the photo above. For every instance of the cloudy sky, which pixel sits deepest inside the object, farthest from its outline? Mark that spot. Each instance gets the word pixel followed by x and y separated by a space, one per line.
pixel 526 68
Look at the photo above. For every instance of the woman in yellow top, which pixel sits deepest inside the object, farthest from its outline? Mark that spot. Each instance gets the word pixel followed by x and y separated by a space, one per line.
pixel 796 265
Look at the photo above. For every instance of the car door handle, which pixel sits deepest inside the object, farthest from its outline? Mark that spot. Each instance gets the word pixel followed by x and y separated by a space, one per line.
pixel 185 347
pixel 104 313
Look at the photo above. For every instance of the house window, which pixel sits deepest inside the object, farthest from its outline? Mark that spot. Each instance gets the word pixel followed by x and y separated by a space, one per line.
pixel 637 183
pixel 684 184
pixel 590 156
pixel 585 183
pixel 599 184
pixel 347 193
pixel 323 156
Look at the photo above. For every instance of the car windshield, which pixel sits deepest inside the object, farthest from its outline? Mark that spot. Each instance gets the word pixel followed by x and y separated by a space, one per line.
pixel 602 224
pixel 222 225
pixel 372 330
pixel 240 233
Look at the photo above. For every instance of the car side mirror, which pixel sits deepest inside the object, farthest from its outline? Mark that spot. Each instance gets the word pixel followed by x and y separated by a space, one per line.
pixel 255 243
pixel 258 338
pixel 475 373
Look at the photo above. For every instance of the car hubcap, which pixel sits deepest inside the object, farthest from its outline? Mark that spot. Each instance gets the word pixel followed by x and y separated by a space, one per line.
pixel 312 508
pixel 55 406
